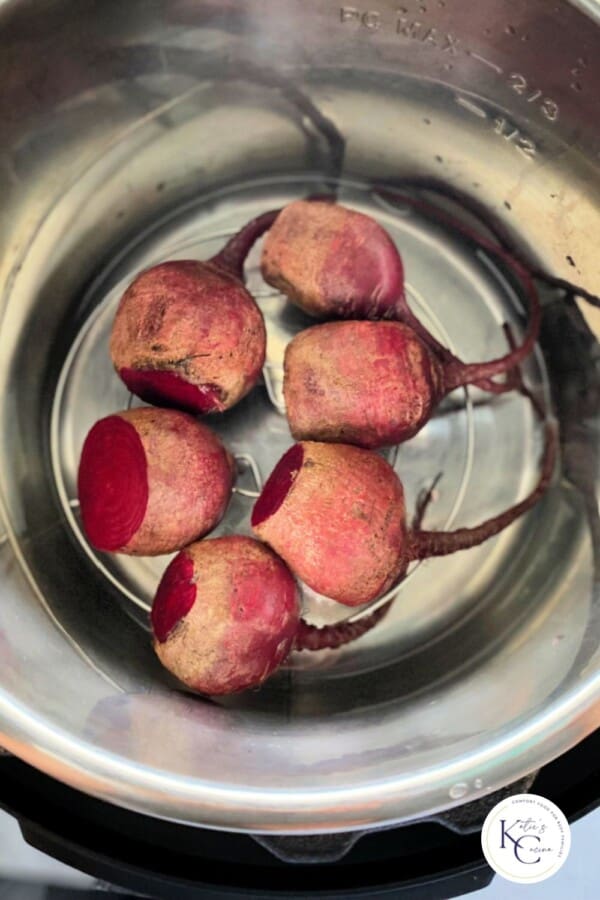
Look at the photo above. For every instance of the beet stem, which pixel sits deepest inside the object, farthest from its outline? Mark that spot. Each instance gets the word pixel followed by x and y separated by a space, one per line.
pixel 459 373
pixel 567 286
pixel 233 255
pixel 425 544
pixel 330 637
pixel 423 501
pixel 405 314
pixel 518 382
pixel 480 212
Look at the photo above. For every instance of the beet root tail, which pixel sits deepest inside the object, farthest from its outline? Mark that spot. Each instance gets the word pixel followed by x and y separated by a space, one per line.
pixel 330 637
pixel 425 544
pixel 459 373
pixel 516 381
pixel 403 313
pixel 233 255
pixel 486 218
pixel 424 500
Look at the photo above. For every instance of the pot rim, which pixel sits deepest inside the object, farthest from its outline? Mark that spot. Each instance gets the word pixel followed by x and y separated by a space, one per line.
pixel 419 795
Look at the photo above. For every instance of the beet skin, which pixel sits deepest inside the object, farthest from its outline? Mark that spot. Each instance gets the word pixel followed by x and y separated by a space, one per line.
pixel 335 513
pixel 225 615
pixel 366 383
pixel 152 480
pixel 330 260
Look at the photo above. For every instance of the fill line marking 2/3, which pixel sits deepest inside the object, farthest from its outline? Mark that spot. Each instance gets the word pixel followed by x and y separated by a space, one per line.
pixel 486 62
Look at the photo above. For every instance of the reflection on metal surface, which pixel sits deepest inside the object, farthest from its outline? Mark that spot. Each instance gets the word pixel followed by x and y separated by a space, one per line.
pixel 155 132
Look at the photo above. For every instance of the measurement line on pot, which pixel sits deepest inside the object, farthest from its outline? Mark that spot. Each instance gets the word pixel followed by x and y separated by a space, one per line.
pixel 471 107
pixel 502 127
pixel 515 136
pixel 548 107
pixel 485 62
pixel 372 20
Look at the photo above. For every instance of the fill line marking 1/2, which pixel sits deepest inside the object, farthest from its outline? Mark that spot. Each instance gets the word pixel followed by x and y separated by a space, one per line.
pixel 471 107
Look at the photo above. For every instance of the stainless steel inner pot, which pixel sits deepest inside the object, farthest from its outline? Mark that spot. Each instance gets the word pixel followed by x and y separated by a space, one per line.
pixel 135 132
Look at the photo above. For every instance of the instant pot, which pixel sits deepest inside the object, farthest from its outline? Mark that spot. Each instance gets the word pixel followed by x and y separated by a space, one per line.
pixel 136 132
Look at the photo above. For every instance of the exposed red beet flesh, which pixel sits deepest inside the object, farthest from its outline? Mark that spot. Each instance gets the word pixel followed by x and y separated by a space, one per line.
pixel 152 480
pixel 168 389
pixel 335 262
pixel 367 383
pixel 174 598
pixel 332 261
pixel 227 614
pixel 113 483
pixel 188 334
pixel 280 482
pixel 342 529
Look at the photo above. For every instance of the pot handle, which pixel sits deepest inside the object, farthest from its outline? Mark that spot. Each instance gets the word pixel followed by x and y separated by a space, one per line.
pixel 310 848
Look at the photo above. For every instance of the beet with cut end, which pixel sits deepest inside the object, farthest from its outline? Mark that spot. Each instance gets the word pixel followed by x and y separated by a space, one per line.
pixel 227 613
pixel 335 513
pixel 152 480
pixel 188 334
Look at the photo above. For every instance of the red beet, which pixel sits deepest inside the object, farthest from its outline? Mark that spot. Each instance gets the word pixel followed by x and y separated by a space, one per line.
pixel 227 614
pixel 152 480
pixel 188 334
pixel 336 515
pixel 334 262
pixel 367 383
pixel 330 260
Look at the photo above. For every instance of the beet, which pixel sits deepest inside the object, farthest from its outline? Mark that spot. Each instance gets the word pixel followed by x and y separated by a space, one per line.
pixel 367 383
pixel 334 262
pixel 348 547
pixel 227 614
pixel 152 480
pixel 330 260
pixel 336 514
pixel 188 334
